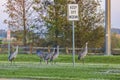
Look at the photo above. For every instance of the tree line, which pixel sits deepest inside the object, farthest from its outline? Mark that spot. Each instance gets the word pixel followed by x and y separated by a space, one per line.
pixel 44 22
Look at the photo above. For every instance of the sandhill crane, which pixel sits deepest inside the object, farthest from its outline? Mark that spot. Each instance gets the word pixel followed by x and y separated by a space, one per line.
pixel 13 55
pixel 40 54
pixel 81 55
pixel 44 56
pixel 56 54
pixel 49 55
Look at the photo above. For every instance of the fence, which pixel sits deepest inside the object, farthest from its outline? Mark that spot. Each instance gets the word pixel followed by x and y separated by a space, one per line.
pixel 32 50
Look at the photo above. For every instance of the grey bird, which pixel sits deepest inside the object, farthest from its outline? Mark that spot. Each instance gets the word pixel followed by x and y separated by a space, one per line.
pixel 55 54
pixel 13 55
pixel 44 56
pixel 48 56
pixel 40 54
pixel 82 55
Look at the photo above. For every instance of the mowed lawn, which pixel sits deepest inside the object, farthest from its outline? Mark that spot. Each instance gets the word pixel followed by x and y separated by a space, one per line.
pixel 27 66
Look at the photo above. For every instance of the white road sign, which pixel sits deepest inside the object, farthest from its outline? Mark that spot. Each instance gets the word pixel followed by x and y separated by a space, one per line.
pixel 8 34
pixel 73 12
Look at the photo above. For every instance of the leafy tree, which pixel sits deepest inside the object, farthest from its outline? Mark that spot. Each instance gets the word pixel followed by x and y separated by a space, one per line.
pixel 54 13
pixel 59 29
pixel 90 21
pixel 58 23
pixel 21 16
pixel 115 41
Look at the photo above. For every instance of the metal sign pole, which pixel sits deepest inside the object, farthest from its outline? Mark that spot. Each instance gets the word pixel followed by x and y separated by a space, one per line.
pixel 73 16
pixel 73 53
pixel 8 47
pixel 8 38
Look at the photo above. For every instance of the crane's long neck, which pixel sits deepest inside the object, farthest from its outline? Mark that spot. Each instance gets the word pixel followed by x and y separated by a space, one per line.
pixel 53 51
pixel 16 49
pixel 86 48
pixel 57 49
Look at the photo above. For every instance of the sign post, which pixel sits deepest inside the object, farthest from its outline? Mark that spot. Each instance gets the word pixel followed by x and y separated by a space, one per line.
pixel 73 16
pixel 8 38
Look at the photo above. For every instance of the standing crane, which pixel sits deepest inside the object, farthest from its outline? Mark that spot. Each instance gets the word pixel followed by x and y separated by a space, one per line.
pixel 55 54
pixel 49 55
pixel 13 55
pixel 82 55
pixel 40 54
pixel 44 56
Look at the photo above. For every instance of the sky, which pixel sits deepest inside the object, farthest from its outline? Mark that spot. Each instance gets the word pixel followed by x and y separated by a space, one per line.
pixel 115 13
pixel 2 15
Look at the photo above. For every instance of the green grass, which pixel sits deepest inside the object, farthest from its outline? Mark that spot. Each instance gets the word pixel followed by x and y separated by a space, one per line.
pixel 28 67
pixel 65 58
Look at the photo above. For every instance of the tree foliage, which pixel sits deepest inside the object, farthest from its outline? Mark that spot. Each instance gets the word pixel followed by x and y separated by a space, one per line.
pixel 115 41
pixel 90 22
pixel 87 29
pixel 49 19
pixel 21 16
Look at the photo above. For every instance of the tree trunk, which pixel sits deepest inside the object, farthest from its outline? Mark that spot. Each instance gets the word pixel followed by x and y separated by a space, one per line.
pixel 24 23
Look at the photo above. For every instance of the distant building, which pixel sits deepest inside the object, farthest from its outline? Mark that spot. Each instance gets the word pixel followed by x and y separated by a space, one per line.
pixel 3 34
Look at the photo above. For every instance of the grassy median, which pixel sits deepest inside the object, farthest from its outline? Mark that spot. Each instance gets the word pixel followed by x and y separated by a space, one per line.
pixel 27 66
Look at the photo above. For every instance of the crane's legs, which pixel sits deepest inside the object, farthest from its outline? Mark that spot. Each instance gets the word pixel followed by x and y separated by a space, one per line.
pixel 11 61
pixel 40 61
pixel 47 61
pixel 83 60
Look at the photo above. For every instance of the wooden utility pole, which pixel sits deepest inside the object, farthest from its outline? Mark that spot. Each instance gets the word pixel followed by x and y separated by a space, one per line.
pixel 108 27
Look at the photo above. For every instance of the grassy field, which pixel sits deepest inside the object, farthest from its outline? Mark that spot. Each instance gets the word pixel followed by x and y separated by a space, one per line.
pixel 28 67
